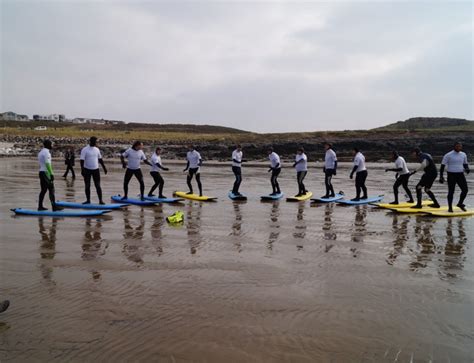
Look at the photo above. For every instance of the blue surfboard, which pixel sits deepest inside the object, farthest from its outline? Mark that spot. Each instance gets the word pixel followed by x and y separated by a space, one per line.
pixel 62 213
pixel 134 201
pixel 360 202
pixel 272 197
pixel 236 196
pixel 337 197
pixel 164 200
pixel 90 205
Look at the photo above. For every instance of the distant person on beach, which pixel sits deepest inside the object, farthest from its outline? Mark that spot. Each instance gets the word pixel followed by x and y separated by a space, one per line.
pixel 275 168
pixel 301 166
pixel 4 305
pixel 193 167
pixel 402 177
pixel 237 168
pixel 360 171
pixel 69 161
pixel 456 165
pixel 134 156
pixel 427 179
pixel 46 176
pixel 329 169
pixel 156 166
pixel 90 160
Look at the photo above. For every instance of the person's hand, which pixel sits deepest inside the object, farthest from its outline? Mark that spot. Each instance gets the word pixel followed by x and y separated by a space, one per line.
pixel 324 169
pixel 124 166
pixel 294 164
pixel 105 171
pixel 351 176
pixel 270 169
pixel 185 170
pixel 334 172
pixel 468 171
pixel 166 169
pixel 387 170
pixel 441 180
pixel 83 173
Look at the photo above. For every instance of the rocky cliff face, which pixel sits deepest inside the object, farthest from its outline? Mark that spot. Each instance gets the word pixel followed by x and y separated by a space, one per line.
pixel 375 145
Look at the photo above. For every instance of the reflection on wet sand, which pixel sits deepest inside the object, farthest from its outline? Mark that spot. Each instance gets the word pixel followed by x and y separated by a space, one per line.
pixel 47 247
pixel 274 225
pixel 156 229
pixel 193 225
pixel 425 242
pixel 359 229
pixel 70 191
pixel 300 225
pixel 328 226
pixel 400 234
pixel 237 226
pixel 455 247
pixel 133 236
pixel 92 244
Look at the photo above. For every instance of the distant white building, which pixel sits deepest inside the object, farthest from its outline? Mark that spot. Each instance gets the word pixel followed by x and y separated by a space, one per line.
pixel 53 117
pixel 79 120
pixel 12 116
pixel 41 128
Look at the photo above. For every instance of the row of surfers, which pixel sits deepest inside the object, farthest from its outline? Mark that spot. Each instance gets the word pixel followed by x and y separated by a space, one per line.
pixel 455 162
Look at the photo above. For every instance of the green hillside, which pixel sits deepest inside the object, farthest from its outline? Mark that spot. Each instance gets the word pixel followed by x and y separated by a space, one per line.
pixel 431 123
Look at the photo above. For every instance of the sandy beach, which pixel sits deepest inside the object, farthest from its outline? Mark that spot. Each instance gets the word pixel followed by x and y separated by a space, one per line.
pixel 238 281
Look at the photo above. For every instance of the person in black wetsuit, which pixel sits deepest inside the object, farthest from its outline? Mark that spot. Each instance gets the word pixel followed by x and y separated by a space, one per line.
pixel 91 157
pixel 237 168
pixel 329 169
pixel 46 176
pixel 69 161
pixel 427 179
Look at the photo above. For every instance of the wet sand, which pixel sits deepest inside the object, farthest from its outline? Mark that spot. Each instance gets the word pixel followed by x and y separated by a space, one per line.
pixel 238 282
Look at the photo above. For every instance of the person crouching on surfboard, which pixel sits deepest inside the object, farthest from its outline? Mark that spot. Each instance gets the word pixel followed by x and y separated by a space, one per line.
pixel 135 156
pixel 402 177
pixel 456 164
pixel 360 171
pixel 193 166
pixel 329 169
pixel 427 179
pixel 301 166
pixel 155 173
pixel 275 168
pixel 237 169
pixel 46 176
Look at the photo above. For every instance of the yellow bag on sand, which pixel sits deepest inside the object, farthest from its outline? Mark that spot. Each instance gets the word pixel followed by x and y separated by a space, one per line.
pixel 176 218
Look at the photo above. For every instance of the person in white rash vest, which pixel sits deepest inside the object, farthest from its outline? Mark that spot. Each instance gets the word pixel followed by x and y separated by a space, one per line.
pixel 156 166
pixel 402 177
pixel 301 166
pixel 134 156
pixel 360 171
pixel 275 168
pixel 330 167
pixel 193 167
pixel 237 168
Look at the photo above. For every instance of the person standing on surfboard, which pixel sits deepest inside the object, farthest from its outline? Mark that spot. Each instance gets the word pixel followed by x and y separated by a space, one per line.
pixel 135 156
pixel 46 177
pixel 329 169
pixel 90 160
pixel 402 177
pixel 275 168
pixel 301 166
pixel 360 171
pixel 155 173
pixel 237 168
pixel 193 167
pixel 427 179
pixel 456 164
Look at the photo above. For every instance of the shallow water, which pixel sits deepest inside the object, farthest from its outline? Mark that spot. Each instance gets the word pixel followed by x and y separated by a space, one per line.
pixel 238 282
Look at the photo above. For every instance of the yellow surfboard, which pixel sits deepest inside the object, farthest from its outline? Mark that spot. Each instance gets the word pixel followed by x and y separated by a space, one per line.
pixel 455 213
pixel 401 205
pixel 306 196
pixel 421 210
pixel 203 198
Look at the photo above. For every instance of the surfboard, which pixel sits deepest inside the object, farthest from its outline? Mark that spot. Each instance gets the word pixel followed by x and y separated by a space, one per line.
pixel 134 201
pixel 337 197
pixel 455 213
pixel 237 197
pixel 62 213
pixel 204 198
pixel 90 206
pixel 401 205
pixel 360 202
pixel 272 197
pixel 421 210
pixel 304 197
pixel 164 200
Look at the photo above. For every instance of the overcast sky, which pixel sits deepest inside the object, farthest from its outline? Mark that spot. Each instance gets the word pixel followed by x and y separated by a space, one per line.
pixel 256 66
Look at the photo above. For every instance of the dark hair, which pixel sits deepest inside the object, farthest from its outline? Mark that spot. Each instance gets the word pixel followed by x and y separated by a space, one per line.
pixel 239 146
pixel 93 141
pixel 356 149
pixel 395 153
pixel 157 148
pixel 300 148
pixel 135 144
pixel 328 144
pixel 457 143
pixel 270 148
pixel 47 143
pixel 416 150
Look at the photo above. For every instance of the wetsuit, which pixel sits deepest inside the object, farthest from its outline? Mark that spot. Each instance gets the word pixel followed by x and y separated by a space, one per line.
pixel 46 177
pixel 237 170
pixel 194 162
pixel 90 159
pixel 69 160
pixel 455 163
pixel 301 166
pixel 330 166
pixel 134 158
pixel 403 176
pixel 427 179
pixel 276 169
pixel 361 175
pixel 155 173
